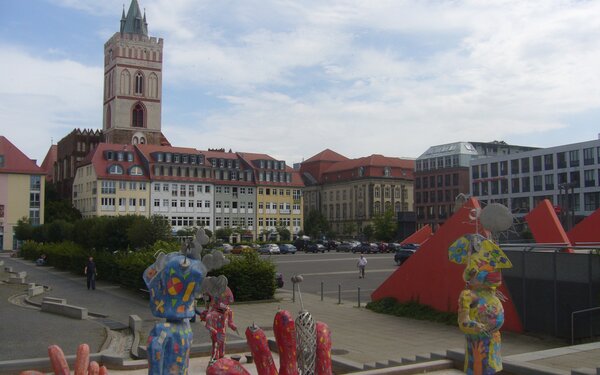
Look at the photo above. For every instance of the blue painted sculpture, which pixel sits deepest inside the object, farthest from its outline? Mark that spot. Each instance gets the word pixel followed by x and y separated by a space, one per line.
pixel 174 281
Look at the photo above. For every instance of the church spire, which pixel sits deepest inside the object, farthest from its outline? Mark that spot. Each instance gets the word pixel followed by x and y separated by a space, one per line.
pixel 134 23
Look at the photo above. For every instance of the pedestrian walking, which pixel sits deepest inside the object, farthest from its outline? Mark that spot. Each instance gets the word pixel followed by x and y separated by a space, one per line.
pixel 361 264
pixel 91 272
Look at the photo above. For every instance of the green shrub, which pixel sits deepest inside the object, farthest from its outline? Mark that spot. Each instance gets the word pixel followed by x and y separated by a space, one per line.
pixel 412 310
pixel 250 277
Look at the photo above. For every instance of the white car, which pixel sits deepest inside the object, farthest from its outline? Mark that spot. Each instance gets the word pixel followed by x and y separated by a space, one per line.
pixel 269 248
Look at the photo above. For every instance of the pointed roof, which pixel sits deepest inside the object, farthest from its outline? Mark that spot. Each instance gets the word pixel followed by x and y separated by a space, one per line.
pixel 134 22
pixel 49 160
pixel 326 155
pixel 13 160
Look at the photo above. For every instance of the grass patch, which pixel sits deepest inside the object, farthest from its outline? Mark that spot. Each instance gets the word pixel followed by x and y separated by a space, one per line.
pixel 413 310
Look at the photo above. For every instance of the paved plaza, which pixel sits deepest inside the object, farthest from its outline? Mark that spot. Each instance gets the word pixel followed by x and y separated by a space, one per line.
pixel 359 336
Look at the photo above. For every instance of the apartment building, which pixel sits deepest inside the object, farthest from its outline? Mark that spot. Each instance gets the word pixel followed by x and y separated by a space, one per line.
pixel 350 192
pixel 112 181
pixel 21 192
pixel 442 173
pixel 278 195
pixel 567 175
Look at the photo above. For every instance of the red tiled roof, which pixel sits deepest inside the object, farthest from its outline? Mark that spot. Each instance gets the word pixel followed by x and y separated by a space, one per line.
pixel 15 161
pixel 101 164
pixel 49 160
pixel 254 156
pixel 326 155
pixel 374 160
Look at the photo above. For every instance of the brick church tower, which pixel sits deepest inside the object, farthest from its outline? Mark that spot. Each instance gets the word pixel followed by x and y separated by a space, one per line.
pixel 133 83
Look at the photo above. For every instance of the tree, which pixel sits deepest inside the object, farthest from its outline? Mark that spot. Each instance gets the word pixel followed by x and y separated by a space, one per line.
pixel 349 228
pixel 23 229
pixel 368 232
pixel 224 234
pixel 284 234
pixel 316 224
pixel 58 209
pixel 385 226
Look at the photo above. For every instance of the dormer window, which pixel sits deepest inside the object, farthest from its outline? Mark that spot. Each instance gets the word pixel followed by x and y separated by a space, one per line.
pixel 136 171
pixel 262 163
pixel 176 158
pixel 109 155
pixel 129 156
pixel 159 157
pixel 361 171
pixel 168 157
pixel 387 172
pixel 213 162
pixel 115 169
pixel 120 156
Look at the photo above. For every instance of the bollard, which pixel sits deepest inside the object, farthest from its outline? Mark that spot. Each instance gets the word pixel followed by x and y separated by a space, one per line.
pixel 339 294
pixel 359 296
pixel 294 293
pixel 321 291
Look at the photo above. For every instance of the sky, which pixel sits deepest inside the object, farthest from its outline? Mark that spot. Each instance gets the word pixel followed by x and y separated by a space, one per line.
pixel 292 78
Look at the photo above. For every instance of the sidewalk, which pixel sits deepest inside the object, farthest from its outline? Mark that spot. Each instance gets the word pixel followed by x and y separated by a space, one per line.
pixel 359 335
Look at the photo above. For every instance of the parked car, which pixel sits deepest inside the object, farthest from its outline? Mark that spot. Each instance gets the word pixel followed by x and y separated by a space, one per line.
pixel 403 253
pixel 301 244
pixel 269 248
pixel 279 279
pixel 315 248
pixel 239 249
pixel 366 248
pixel 383 247
pixel 345 247
pixel 287 248
pixel 331 244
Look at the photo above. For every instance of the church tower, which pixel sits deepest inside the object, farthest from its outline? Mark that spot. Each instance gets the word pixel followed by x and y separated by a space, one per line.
pixel 133 83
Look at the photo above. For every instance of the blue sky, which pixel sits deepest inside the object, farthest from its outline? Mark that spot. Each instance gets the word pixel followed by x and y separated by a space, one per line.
pixel 291 78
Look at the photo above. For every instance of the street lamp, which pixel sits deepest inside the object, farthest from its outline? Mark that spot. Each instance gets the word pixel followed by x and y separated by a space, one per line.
pixel 567 213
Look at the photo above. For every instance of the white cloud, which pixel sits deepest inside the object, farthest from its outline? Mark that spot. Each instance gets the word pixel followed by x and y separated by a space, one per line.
pixel 383 76
pixel 45 99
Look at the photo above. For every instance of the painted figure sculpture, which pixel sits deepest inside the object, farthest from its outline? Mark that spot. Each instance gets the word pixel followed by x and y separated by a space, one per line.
pixel 174 281
pixel 480 310
pixel 218 317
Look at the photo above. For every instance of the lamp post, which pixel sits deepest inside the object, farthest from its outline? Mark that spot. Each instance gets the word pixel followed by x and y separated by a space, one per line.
pixel 566 194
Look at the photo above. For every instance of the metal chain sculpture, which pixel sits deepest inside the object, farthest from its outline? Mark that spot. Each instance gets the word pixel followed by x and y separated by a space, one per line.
pixel 174 281
pixel 300 351
pixel 480 310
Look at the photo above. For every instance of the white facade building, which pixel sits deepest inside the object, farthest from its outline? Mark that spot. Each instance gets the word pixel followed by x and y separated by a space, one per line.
pixel 520 181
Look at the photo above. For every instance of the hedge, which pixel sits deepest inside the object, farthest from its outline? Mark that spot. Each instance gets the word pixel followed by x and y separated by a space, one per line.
pixel 250 277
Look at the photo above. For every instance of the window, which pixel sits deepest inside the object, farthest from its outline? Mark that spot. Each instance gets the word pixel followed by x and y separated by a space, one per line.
pixel 548 162
pixel 589 178
pixel 525 165
pixel 108 187
pixel 575 179
pixel 514 166
pixel 574 158
pixel 34 200
pixel 591 201
pixel 537 163
pixel 115 169
pixel 207 204
pixel 131 202
pixel 474 172
pixel 156 187
pixel 588 156
pixel 138 116
pixel 139 83
pixel 561 160
pixel 136 171
pixel 537 183
pixel 494 169
pixel 157 203
pixel 549 182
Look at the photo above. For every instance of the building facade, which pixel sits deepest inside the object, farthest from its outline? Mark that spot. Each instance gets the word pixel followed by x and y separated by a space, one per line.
pixel 350 192
pixel 567 175
pixel 442 173
pixel 112 181
pixel 21 192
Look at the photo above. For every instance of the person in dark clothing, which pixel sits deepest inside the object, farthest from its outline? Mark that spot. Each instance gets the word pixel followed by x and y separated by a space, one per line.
pixel 91 273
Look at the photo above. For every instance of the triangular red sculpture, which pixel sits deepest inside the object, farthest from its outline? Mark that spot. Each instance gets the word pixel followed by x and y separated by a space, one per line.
pixel 431 279
pixel 587 230
pixel 545 225
pixel 419 236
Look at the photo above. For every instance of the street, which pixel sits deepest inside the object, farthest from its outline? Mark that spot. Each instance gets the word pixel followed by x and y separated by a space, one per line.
pixel 336 271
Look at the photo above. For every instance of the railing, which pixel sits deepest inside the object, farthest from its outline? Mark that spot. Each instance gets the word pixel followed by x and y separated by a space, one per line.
pixel 573 322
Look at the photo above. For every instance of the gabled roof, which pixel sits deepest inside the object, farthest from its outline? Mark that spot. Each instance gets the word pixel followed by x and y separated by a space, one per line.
pixel 134 22
pixel 374 160
pixel 96 157
pixel 326 155
pixel 48 163
pixel 12 160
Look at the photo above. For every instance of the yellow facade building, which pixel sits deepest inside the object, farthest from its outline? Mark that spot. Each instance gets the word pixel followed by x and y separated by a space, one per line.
pixel 21 192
